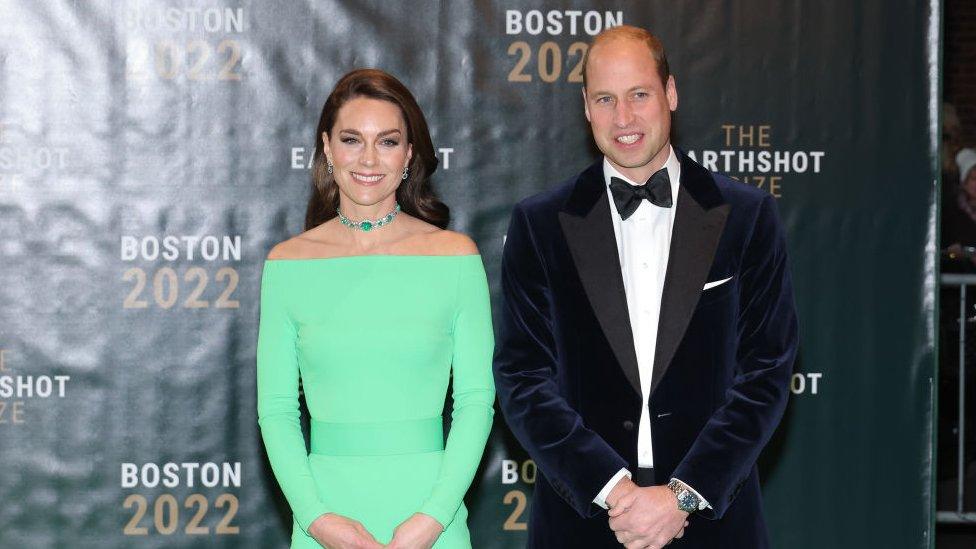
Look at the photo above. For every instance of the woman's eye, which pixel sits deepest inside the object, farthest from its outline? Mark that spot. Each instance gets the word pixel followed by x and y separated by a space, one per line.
pixel 349 140
pixel 391 142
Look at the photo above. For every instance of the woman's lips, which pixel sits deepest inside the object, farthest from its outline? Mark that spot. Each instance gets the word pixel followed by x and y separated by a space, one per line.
pixel 367 179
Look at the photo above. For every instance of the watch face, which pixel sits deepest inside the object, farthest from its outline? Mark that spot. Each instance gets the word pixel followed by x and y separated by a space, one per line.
pixel 687 501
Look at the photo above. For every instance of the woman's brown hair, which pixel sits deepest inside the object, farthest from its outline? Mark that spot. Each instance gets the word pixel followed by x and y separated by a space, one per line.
pixel 415 195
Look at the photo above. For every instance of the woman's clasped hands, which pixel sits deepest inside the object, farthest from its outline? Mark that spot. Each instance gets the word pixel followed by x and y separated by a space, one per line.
pixel 334 531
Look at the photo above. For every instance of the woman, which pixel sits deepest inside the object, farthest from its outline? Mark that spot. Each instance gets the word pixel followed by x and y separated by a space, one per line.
pixel 374 306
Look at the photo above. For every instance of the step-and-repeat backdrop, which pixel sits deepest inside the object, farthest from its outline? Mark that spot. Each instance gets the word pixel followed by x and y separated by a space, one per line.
pixel 152 152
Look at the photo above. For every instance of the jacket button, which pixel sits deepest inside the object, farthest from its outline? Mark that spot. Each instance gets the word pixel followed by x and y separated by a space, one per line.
pixel 628 425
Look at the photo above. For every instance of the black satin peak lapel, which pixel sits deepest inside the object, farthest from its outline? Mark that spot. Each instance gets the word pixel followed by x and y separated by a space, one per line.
pixel 697 230
pixel 589 233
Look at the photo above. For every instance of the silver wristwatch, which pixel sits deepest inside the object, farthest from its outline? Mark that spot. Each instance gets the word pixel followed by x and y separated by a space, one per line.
pixel 687 500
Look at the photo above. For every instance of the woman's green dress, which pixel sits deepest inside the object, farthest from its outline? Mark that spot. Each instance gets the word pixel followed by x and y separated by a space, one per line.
pixel 375 339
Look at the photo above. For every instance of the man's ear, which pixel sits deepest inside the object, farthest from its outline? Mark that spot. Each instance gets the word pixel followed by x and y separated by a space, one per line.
pixel 672 93
pixel 586 105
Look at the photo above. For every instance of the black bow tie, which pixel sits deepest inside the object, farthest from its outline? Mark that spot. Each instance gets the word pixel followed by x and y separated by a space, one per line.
pixel 627 197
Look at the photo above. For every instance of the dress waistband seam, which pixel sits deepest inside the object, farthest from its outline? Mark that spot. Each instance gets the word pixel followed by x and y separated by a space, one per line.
pixel 377 438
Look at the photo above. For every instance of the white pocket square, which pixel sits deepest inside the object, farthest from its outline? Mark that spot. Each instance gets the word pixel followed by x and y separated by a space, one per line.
pixel 716 283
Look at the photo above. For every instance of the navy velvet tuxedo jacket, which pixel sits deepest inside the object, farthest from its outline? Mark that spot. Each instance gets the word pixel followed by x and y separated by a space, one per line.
pixel 566 369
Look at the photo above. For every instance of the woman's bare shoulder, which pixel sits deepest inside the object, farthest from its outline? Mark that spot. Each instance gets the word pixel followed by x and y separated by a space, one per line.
pixel 428 239
pixel 284 250
pixel 445 242
pixel 315 242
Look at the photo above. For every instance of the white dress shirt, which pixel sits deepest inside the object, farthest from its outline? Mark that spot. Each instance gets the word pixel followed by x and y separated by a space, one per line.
pixel 643 246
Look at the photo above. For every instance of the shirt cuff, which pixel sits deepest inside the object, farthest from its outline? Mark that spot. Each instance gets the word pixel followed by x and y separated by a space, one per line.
pixel 601 498
pixel 699 496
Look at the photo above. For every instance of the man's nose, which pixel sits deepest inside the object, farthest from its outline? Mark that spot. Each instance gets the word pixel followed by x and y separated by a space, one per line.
pixel 623 115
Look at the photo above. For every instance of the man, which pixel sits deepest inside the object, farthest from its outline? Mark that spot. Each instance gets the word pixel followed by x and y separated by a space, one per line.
pixel 648 331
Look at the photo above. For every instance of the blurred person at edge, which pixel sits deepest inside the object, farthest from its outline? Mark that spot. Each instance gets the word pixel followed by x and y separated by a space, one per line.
pixel 959 215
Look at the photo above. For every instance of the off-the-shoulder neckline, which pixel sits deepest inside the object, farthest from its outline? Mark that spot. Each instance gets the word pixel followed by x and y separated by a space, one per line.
pixel 363 256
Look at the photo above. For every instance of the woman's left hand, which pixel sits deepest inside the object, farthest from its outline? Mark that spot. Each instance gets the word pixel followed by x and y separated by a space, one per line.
pixel 420 531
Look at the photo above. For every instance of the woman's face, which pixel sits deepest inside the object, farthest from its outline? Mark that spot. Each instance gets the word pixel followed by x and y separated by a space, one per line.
pixel 368 149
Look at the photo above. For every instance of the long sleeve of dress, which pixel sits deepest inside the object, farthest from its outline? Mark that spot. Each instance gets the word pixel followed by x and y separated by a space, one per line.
pixel 473 393
pixel 278 413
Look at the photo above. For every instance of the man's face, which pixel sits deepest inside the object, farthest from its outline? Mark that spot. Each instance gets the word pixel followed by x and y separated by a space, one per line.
pixel 628 107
